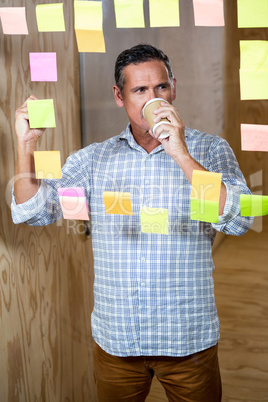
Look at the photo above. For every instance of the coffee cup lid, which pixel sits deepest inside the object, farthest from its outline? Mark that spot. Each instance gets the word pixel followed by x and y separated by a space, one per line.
pixel 150 101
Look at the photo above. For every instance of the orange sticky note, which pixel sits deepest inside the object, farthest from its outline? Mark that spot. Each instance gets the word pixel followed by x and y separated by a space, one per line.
pixel 206 185
pixel 47 164
pixel 117 203
pixel 88 20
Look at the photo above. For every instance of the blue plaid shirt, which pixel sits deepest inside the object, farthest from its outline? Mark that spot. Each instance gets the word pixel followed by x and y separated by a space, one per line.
pixel 153 293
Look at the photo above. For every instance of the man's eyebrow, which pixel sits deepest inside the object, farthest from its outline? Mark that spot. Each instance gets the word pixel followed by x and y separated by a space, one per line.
pixel 138 87
pixel 166 83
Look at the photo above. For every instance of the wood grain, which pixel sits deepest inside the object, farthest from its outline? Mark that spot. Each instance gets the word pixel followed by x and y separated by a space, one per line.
pixel 46 273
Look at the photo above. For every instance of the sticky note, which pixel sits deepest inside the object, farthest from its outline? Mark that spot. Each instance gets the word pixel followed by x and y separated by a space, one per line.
pixel 164 13
pixel 71 192
pixel 205 196
pixel 252 13
pixel 88 21
pixel 117 202
pixel 50 17
pixel 254 137
pixel 41 113
pixel 204 210
pixel 253 205
pixel 14 20
pixel 73 203
pixel 253 69
pixel 154 220
pixel 47 164
pixel 253 84
pixel 129 13
pixel 206 185
pixel 253 55
pixel 208 13
pixel 43 66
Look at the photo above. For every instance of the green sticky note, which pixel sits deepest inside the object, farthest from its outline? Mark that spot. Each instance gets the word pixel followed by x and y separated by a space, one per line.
pixel 47 164
pixel 41 113
pixel 129 13
pixel 204 210
pixel 252 13
pixel 154 220
pixel 50 17
pixel 164 13
pixel 253 205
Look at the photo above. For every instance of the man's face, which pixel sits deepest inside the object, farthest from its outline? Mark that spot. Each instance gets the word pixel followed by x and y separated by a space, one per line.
pixel 143 82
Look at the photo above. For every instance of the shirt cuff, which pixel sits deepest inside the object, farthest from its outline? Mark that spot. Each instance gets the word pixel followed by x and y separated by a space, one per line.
pixel 27 210
pixel 232 205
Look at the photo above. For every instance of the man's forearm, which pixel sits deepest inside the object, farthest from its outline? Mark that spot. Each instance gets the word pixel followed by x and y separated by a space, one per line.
pixel 25 185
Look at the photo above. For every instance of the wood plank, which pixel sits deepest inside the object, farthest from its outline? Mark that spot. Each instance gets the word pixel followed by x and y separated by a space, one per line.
pixel 46 274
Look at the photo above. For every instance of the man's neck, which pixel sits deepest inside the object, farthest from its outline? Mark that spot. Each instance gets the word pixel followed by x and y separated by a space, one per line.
pixel 146 141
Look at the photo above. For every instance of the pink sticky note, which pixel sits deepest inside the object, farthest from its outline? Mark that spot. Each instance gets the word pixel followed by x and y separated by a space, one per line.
pixel 71 191
pixel 254 137
pixel 43 66
pixel 74 208
pixel 208 13
pixel 14 21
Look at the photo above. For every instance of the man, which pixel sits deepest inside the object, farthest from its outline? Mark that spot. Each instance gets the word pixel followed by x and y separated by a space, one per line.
pixel 154 308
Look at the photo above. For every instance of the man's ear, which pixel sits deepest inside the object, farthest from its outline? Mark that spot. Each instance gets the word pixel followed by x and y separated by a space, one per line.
pixel 174 89
pixel 118 96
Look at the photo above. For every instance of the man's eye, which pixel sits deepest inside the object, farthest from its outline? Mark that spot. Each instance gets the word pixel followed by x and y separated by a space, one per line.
pixel 140 90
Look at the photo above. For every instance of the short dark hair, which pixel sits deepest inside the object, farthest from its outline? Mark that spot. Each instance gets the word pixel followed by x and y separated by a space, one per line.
pixel 136 55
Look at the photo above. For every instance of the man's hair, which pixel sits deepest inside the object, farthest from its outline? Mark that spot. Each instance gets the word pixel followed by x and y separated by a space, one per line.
pixel 136 55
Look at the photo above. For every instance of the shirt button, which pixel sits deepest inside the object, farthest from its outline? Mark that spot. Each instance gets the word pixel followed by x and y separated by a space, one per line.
pixel 142 258
pixel 147 181
pixel 142 284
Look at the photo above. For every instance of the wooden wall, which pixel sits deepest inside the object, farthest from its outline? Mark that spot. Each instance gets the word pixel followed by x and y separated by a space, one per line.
pixel 45 296
pixel 246 111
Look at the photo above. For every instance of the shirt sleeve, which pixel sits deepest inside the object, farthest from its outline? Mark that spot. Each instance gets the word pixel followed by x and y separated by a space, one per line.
pixel 223 160
pixel 44 207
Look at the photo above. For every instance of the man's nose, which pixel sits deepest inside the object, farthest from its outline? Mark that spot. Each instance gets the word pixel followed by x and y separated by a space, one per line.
pixel 151 94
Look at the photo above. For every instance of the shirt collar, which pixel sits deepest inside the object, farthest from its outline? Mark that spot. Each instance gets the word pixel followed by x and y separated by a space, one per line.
pixel 127 135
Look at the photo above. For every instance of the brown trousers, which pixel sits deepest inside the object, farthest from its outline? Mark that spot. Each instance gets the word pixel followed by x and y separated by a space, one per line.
pixel 191 378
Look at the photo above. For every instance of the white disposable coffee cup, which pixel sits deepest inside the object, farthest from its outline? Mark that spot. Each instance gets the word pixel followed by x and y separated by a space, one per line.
pixel 148 114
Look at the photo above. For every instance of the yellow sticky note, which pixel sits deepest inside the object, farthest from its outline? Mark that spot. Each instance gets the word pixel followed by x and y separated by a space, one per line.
pixel 41 113
pixel 252 13
pixel 154 220
pixel 206 185
pixel 117 202
pixel 47 164
pixel 50 17
pixel 164 13
pixel 88 22
pixel 129 13
pixel 253 69
pixel 253 84
pixel 253 55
